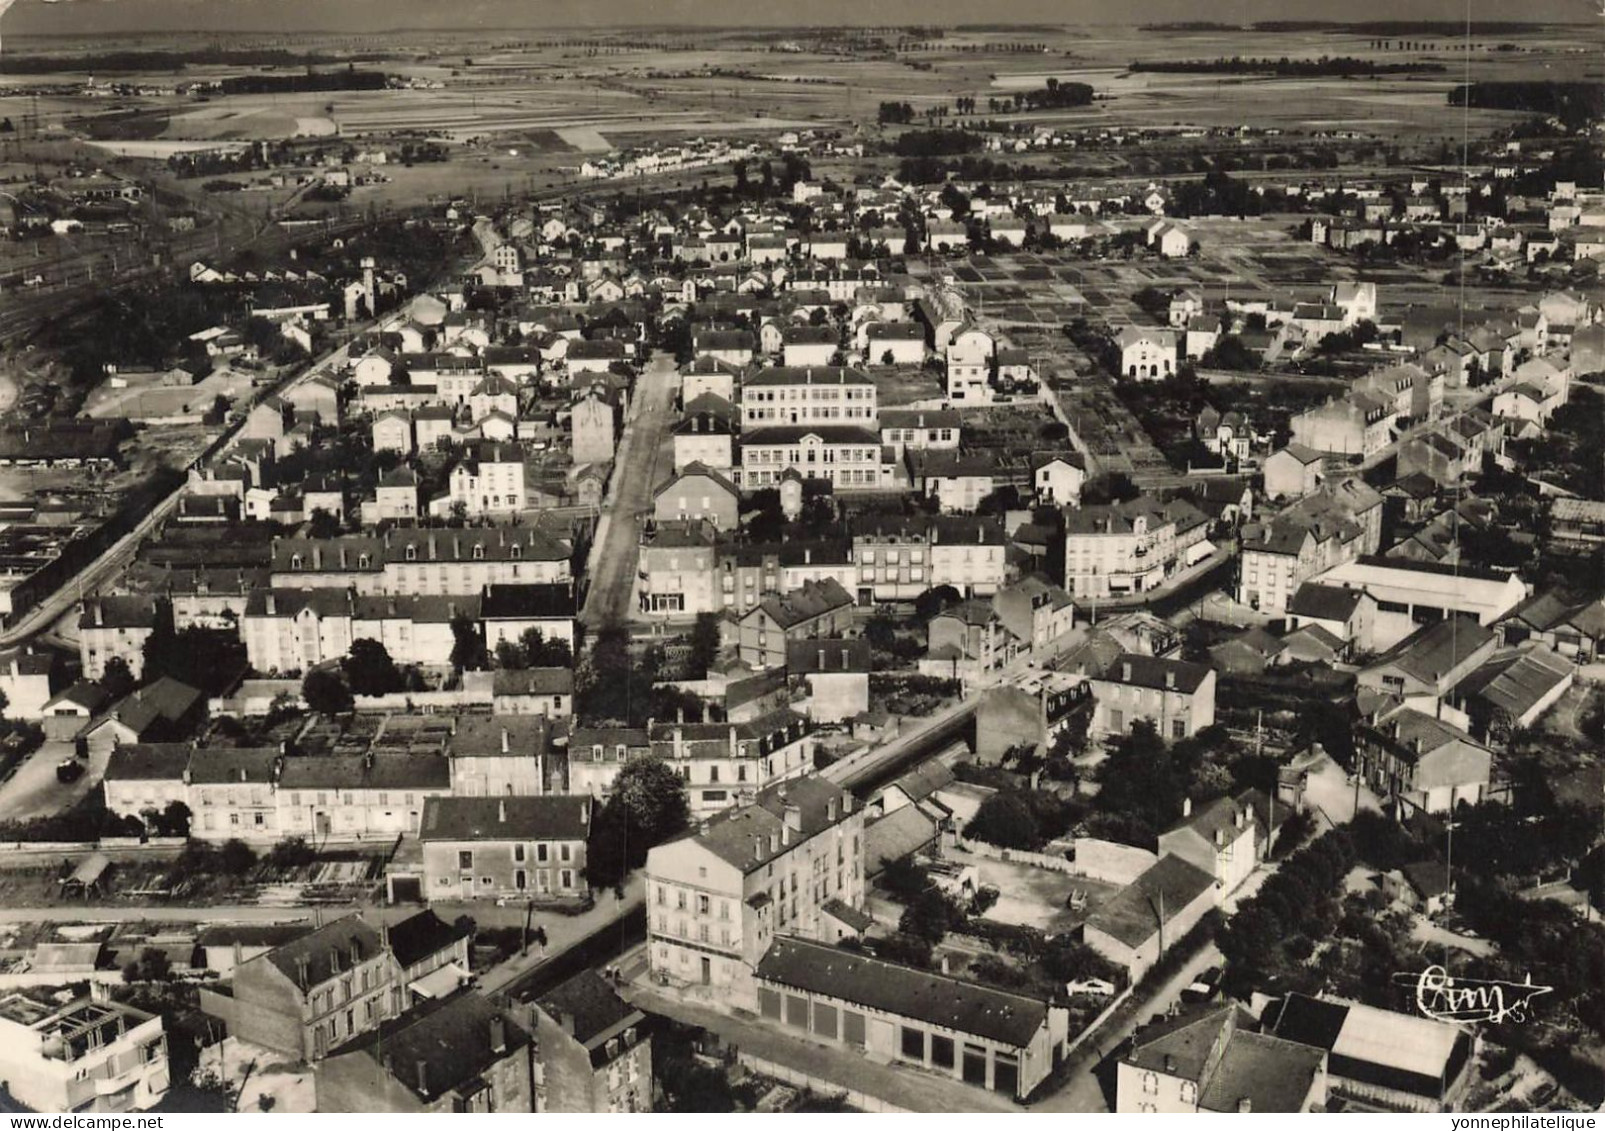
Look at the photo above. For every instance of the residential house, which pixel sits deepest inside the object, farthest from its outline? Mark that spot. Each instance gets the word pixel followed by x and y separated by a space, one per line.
pixel 720 897
pixel 499 847
pixel 1212 1059
pixel 698 492
pixel 313 994
pixel 115 627
pixel 1223 837
pixel 726 763
pixel 595 1047
pixel 461 1054
pixel 822 609
pixel 836 672
pixel 1174 696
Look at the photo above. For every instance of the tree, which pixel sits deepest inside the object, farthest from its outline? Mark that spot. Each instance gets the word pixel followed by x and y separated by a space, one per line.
pixel 117 679
pixel 322 524
pixel 369 670
pixel 704 645
pixel 173 820
pixel 930 915
pixel 540 652
pixel 509 656
pixel 237 857
pixel 1006 820
pixel 468 646
pixel 326 692
pixel 648 807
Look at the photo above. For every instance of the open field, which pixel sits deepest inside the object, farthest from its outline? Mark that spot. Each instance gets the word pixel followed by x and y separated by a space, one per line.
pixel 727 82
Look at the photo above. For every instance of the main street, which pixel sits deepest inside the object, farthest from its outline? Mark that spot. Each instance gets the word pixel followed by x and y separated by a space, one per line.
pixel 639 467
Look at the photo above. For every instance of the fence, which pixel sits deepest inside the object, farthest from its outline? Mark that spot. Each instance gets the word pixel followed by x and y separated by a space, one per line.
pixel 788 1075
pixel 35 854
pixel 1093 1026
pixel 1110 862
pixel 1016 856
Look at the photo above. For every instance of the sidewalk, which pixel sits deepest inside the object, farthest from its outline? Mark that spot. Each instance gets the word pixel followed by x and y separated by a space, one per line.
pixel 908 1088
pixel 562 931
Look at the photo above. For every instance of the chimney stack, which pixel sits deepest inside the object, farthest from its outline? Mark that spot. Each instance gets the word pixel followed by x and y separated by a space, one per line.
pixel 944 964
pixel 501 811
pixel 1125 673
pixel 1245 1106
pixel 498 1034
pixel 1170 681
pixel 830 810
pixel 423 1078
pixel 272 604
pixel 794 818
pixel 1187 807
pixel 566 1020
pixel 504 740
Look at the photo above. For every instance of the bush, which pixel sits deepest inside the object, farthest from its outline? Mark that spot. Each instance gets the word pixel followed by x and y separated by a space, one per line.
pixel 237 857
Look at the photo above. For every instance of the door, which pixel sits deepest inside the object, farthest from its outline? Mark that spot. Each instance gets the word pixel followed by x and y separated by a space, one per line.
pixel 707 971
pixel 466 885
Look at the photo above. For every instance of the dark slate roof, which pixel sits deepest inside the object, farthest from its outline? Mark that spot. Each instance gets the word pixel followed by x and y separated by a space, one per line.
pixel 827 656
pixel 505 818
pixel 1011 1019
pixel 166 699
pixel 442 1045
pixel 1152 671
pixel 529 601
pixel 219 765
pixel 379 771
pixel 743 836
pixel 414 939
pixel 1181 1045
pixel 157 761
pixel 327 950
pixel 1325 602
pixel 1271 1074
pixel 598 1011
pixel 1131 915
pixel 252 934
pixel 533 681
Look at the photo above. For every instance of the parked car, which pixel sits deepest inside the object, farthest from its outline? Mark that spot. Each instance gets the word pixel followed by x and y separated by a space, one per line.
pixel 69 770
pixel 1205 987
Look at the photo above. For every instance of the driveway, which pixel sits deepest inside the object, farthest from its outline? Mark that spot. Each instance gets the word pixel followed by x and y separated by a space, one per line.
pixel 33 791
pixel 1333 796
pixel 1091 1086
pixel 638 469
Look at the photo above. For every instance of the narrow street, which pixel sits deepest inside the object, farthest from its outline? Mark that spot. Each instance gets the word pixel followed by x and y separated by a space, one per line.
pixel 636 474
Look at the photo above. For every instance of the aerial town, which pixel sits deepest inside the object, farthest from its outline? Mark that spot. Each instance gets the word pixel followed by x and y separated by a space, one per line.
pixel 916 569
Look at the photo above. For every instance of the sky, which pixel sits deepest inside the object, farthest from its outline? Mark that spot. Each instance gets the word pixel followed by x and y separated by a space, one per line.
pixel 358 16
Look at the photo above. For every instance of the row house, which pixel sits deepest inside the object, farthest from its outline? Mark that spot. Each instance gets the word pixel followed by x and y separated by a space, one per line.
pixel 815 610
pixel 1357 424
pixel 726 763
pixel 422 562
pixel 1132 546
pixel 1175 697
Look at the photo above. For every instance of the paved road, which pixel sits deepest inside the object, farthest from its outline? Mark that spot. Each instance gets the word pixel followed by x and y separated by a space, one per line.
pixel 617 551
pixel 1091 1086
pixel 34 791
pixel 115 559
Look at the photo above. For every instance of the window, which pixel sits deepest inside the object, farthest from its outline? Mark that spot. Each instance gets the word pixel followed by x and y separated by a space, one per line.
pixel 465 860
pixel 1189 1092
pixel 912 1044
pixel 567 878
pixel 1178 728
pixel 518 853
pixel 1150 1084
pixel 941 1051
pixel 563 852
pixel 541 852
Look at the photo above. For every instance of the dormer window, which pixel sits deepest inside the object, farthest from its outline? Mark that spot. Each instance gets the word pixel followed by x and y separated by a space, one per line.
pixel 479 553
pixel 362 561
pixel 412 553
pixel 515 552
pixel 295 561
